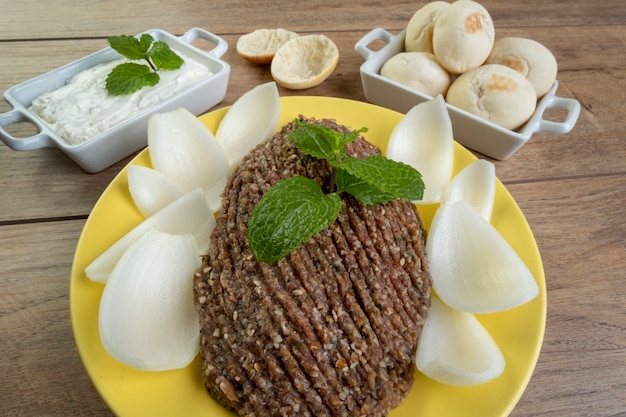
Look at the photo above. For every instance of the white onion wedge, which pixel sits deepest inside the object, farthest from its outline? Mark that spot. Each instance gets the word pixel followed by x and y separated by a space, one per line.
pixel 423 139
pixel 147 319
pixel 183 149
pixel 473 268
pixel 189 214
pixel 455 349
pixel 250 120
pixel 151 190
pixel 476 184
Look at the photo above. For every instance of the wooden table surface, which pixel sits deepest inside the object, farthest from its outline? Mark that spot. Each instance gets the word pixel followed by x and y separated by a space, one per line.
pixel 571 187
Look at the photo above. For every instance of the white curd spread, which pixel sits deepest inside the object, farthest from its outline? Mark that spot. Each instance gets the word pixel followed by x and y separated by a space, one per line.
pixel 82 109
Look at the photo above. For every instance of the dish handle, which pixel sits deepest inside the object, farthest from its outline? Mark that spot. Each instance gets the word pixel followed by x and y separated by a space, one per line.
pixel 221 46
pixel 40 140
pixel 378 34
pixel 552 101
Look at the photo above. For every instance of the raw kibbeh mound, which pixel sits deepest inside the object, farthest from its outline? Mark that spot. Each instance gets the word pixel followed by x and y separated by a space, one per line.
pixel 331 329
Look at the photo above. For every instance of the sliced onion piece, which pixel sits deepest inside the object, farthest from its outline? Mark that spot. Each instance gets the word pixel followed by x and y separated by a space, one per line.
pixel 183 149
pixel 473 268
pixel 189 214
pixel 423 139
pixel 476 184
pixel 151 190
pixel 455 349
pixel 250 120
pixel 147 319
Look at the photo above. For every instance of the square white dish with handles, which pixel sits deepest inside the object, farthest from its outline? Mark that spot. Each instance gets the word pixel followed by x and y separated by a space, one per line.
pixel 124 138
pixel 469 130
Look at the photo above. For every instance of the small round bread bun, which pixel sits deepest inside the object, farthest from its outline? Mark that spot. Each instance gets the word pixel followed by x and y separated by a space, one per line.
pixel 528 57
pixel 261 45
pixel 418 70
pixel 419 31
pixel 463 36
pixel 496 93
pixel 304 62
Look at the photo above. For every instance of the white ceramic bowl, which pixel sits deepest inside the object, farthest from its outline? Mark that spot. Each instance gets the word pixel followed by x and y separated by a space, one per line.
pixel 126 137
pixel 469 130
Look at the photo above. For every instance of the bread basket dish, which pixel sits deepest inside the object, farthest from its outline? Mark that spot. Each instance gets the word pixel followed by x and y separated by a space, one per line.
pixel 469 130
pixel 129 135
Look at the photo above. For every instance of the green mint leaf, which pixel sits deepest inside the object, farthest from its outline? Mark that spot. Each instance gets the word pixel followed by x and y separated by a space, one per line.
pixel 348 138
pixel 323 142
pixel 129 77
pixel 314 140
pixel 145 41
pixel 390 177
pixel 131 47
pixel 295 209
pixel 361 190
pixel 164 58
pixel 289 214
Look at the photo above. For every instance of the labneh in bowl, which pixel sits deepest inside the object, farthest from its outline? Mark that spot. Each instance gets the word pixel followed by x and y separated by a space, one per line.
pixel 129 135
pixel 471 131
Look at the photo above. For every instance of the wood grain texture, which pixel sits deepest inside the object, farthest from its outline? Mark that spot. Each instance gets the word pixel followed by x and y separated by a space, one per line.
pixel 581 370
pixel 571 187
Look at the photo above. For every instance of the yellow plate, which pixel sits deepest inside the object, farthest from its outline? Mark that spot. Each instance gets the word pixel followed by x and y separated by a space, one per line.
pixel 129 392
